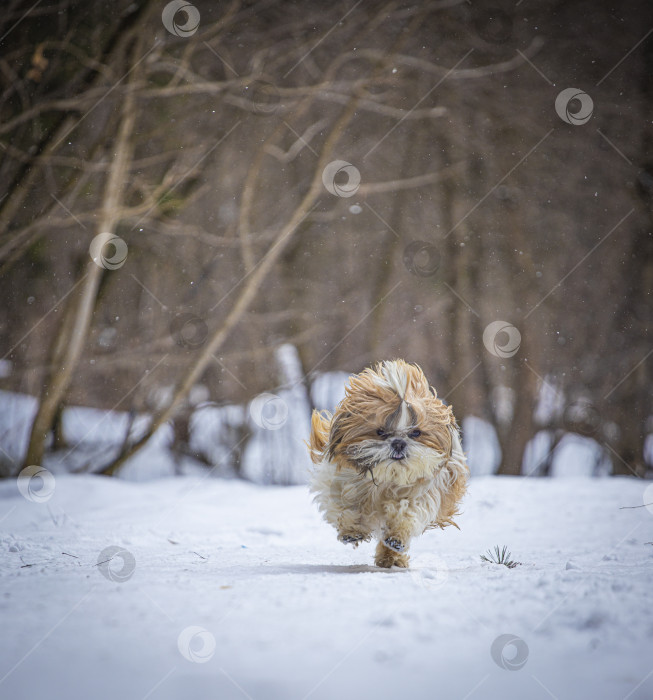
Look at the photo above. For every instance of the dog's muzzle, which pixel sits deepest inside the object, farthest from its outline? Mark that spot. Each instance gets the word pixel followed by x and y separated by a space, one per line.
pixel 398 447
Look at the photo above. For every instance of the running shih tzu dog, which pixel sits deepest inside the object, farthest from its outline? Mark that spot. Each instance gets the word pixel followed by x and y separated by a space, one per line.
pixel 389 462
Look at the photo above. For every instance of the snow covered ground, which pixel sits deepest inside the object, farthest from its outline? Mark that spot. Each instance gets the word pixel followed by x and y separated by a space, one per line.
pixel 210 588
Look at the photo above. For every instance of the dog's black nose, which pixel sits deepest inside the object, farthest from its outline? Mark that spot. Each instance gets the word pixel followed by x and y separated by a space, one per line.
pixel 398 445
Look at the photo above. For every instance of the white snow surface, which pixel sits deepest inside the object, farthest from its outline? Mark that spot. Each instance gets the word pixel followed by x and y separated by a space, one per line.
pixel 289 612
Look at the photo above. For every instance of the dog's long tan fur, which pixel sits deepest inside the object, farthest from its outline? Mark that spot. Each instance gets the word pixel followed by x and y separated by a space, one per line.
pixel 362 491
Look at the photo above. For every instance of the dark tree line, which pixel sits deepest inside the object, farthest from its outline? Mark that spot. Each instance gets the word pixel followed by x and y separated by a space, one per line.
pixel 172 212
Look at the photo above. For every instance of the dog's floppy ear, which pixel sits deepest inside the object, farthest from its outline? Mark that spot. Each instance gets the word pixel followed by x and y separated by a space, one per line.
pixel 458 473
pixel 320 426
pixel 456 445
pixel 338 427
pixel 457 462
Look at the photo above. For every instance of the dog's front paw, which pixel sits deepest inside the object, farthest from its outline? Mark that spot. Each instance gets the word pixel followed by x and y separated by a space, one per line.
pixel 386 557
pixel 394 544
pixel 353 539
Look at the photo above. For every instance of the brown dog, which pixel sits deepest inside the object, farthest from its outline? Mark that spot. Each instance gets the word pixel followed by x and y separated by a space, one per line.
pixel 389 461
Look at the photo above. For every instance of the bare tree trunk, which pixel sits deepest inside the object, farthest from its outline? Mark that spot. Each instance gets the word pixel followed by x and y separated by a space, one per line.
pixel 629 403
pixel 382 280
pixel 459 277
pixel 72 339
pixel 514 436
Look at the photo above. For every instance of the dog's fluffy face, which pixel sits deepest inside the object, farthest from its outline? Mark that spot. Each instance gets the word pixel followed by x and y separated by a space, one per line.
pixel 391 425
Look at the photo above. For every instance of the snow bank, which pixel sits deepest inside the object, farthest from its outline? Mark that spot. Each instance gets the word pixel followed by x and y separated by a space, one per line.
pixel 263 441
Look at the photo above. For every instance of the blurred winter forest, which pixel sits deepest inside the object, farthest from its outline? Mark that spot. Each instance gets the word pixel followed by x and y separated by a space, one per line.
pixel 210 213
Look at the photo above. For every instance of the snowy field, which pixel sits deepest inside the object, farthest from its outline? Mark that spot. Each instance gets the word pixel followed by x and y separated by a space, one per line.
pixel 210 588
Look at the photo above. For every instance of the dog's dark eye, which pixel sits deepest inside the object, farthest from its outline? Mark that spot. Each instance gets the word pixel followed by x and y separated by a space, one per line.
pixel 381 433
pixel 414 433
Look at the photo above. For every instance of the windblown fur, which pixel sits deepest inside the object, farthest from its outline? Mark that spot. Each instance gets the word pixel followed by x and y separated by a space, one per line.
pixel 389 463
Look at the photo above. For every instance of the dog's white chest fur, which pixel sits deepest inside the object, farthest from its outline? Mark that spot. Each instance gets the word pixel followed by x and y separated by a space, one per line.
pixel 350 499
